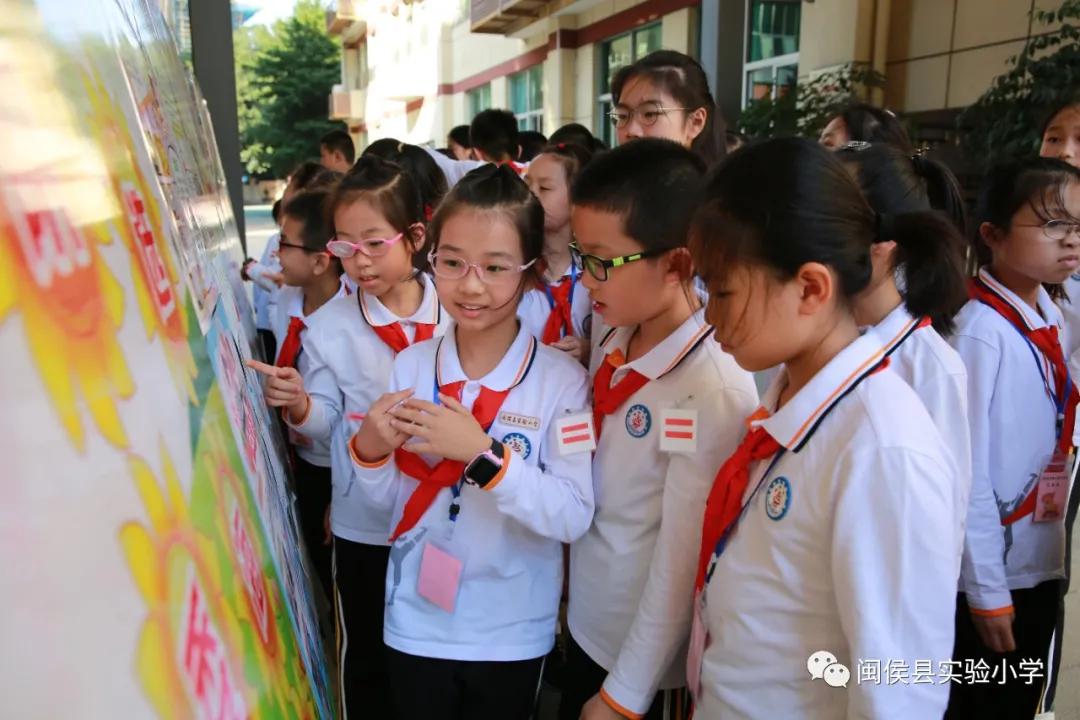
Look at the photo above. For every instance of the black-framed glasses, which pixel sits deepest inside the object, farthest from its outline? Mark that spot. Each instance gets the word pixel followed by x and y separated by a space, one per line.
pixel 282 243
pixel 1057 230
pixel 598 267
pixel 647 114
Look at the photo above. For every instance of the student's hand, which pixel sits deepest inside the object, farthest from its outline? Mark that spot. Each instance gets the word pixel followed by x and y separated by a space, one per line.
pixel 276 278
pixel 284 387
pixel 377 436
pixel 329 535
pixel 996 632
pixel 448 430
pixel 575 347
pixel 597 709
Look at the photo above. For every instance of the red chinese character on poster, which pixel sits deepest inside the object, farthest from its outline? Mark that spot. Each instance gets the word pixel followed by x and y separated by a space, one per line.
pixel 251 573
pixel 205 663
pixel 154 268
pixel 52 247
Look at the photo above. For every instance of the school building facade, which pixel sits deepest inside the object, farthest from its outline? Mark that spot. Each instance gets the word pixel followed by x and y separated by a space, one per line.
pixel 412 69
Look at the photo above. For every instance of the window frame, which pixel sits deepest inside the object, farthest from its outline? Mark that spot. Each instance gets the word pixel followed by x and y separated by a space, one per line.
pixel 531 118
pixel 775 63
pixel 604 130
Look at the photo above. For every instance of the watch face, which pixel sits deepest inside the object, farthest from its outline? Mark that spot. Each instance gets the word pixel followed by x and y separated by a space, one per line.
pixel 481 470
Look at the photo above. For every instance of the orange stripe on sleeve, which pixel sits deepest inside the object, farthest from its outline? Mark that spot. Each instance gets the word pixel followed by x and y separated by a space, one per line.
pixel 610 702
pixel 998 612
pixel 356 457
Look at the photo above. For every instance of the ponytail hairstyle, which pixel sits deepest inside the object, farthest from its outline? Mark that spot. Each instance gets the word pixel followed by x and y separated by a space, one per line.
pixel 786 202
pixel 425 173
pixel 930 254
pixel 866 123
pixel 1039 183
pixel 572 157
pixel 497 189
pixel 387 187
pixel 685 80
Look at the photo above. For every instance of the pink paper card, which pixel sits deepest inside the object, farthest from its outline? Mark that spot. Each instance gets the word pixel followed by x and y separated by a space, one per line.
pixel 440 574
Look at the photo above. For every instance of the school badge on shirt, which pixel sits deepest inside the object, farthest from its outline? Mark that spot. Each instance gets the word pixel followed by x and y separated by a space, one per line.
pixel 518 443
pixel 778 498
pixel 638 421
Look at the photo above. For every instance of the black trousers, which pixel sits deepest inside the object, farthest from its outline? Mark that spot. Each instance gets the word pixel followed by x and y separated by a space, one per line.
pixel 433 689
pixel 312 499
pixel 359 592
pixel 583 678
pixel 1036 615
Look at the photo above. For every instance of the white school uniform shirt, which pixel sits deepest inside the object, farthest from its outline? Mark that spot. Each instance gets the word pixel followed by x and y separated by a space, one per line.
pixel 850 545
pixel 1013 423
pixel 508 534
pixel 264 291
pixel 350 370
pixel 290 304
pixel 632 574
pixel 534 310
pixel 453 169
pixel 934 370
pixel 1070 311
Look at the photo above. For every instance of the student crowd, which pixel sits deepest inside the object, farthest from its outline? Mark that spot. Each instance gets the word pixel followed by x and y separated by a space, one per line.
pixel 697 425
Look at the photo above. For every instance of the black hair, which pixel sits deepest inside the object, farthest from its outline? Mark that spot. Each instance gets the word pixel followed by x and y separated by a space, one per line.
pixel 309 207
pixel 866 123
pixel 1040 183
pixel 495 133
pixel 1067 100
pixel 426 175
pixel 460 135
pixel 531 143
pixel 275 211
pixel 933 259
pixel 340 141
pixel 305 174
pixel 387 186
pixel 685 80
pixel 789 201
pixel 385 148
pixel 446 152
pixel 496 188
pixel 654 184
pixel 571 156
pixel 576 134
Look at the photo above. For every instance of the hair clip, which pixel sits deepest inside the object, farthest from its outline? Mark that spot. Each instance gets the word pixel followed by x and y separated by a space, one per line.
pixel 856 145
pixel 429 212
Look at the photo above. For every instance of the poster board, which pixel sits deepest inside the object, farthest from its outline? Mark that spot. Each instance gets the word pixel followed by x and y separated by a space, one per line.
pixel 148 529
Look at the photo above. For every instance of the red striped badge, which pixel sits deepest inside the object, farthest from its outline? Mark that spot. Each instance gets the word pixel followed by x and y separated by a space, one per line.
pixel 678 430
pixel 575 434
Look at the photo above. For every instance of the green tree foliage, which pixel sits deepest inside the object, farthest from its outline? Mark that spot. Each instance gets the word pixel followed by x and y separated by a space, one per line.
pixel 1004 123
pixel 284 78
pixel 807 110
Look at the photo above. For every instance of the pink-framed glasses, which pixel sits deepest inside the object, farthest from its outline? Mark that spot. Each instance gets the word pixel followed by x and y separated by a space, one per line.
pixel 371 247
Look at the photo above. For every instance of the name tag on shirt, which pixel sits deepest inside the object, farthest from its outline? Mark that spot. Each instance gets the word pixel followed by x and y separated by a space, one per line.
pixel 678 430
pixel 521 421
pixel 575 434
pixel 1053 489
